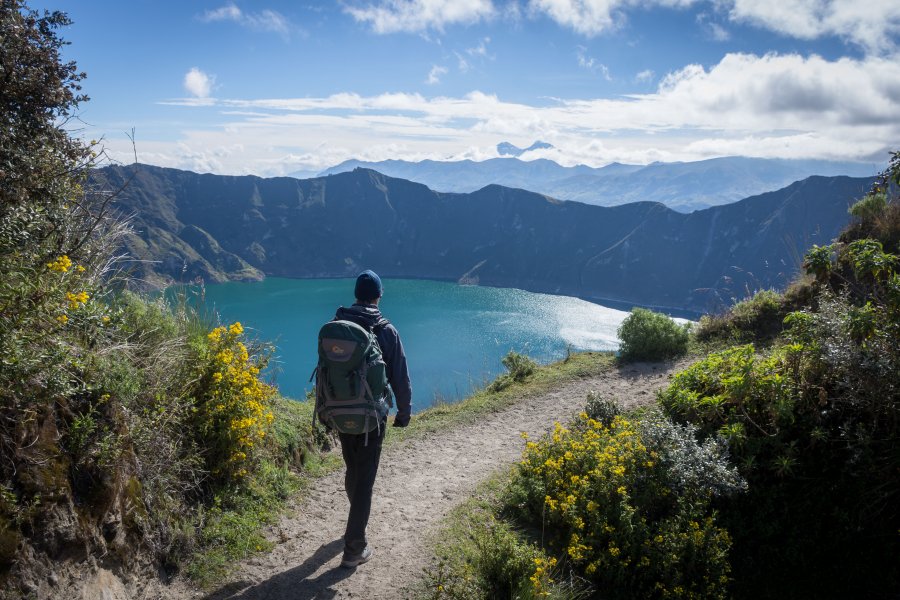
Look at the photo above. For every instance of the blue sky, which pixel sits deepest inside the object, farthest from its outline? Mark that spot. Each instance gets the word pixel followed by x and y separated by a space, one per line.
pixel 271 87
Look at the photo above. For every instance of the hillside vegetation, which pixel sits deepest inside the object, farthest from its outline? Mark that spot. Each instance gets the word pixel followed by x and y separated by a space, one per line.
pixel 135 434
pixel 768 469
pixel 138 435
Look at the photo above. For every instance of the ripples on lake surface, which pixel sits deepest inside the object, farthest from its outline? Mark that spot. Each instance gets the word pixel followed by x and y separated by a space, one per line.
pixel 454 335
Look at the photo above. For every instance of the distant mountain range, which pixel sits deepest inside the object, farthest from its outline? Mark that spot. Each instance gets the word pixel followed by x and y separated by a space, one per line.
pixel 682 186
pixel 240 228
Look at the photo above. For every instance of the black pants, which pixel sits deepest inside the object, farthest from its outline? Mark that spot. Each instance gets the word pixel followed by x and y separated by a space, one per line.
pixel 362 466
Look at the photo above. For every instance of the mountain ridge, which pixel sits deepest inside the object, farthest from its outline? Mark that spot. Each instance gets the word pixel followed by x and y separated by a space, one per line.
pixel 683 186
pixel 641 253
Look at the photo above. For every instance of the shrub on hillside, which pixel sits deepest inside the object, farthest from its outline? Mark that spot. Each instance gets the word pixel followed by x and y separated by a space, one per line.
pixel 233 412
pixel 812 426
pixel 629 505
pixel 601 408
pixel 109 418
pixel 756 319
pixel 496 561
pixel 518 368
pixel 878 212
pixel 870 207
pixel 651 336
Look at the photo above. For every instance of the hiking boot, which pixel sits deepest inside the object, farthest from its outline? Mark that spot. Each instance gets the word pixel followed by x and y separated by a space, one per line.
pixel 354 561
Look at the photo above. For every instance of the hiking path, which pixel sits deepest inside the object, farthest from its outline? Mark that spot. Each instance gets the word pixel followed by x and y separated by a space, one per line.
pixel 419 481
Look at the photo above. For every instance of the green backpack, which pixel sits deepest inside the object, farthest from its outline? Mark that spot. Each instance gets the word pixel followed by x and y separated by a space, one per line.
pixel 352 393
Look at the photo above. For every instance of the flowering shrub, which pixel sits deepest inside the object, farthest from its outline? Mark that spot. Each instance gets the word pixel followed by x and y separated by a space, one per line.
pixel 616 501
pixel 234 409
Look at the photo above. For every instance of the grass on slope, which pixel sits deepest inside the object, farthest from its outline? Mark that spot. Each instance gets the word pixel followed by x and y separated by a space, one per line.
pixel 444 415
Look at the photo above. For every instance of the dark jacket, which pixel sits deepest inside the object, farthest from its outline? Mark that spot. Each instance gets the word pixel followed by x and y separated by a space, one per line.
pixel 368 316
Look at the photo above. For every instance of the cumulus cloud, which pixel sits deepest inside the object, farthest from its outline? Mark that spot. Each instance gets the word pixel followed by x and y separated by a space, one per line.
pixel 264 20
pixel 416 16
pixel 197 83
pixel 872 25
pixel 592 17
pixel 435 74
pixel 784 106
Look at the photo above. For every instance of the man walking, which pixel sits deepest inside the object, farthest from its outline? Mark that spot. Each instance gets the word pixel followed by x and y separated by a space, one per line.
pixel 363 451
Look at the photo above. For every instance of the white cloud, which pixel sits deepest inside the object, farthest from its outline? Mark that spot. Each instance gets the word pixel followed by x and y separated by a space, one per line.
pixel 480 49
pixel 197 83
pixel 229 12
pixel 714 30
pixel 873 24
pixel 591 64
pixel 413 16
pixel 786 106
pixel 583 61
pixel 718 33
pixel 264 20
pixel 435 74
pixel 462 64
pixel 592 17
pixel 645 76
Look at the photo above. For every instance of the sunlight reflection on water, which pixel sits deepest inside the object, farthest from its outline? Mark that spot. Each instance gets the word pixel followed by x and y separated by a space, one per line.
pixel 454 335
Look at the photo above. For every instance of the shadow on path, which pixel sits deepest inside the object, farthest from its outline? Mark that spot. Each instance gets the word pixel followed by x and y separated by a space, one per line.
pixel 638 370
pixel 294 583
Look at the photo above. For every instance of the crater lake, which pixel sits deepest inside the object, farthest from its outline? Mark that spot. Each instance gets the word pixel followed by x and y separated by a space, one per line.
pixel 454 335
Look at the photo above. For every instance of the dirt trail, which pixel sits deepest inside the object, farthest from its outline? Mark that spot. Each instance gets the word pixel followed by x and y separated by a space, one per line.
pixel 419 481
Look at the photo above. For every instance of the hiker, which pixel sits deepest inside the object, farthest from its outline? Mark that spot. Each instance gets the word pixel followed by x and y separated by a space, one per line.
pixel 362 450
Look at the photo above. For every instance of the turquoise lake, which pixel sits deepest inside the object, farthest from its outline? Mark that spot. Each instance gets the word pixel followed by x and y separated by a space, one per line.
pixel 454 335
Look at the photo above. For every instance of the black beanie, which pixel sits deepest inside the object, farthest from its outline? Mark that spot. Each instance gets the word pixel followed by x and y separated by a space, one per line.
pixel 368 286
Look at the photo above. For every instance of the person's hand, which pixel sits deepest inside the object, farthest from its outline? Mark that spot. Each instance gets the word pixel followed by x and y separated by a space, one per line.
pixel 401 420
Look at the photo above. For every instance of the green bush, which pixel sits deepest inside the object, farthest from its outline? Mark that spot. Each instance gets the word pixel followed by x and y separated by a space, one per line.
pixel 871 206
pixel 601 408
pixel 811 425
pixel 756 319
pixel 518 366
pixel 122 419
pixel 651 336
pixel 629 505
pixel 488 558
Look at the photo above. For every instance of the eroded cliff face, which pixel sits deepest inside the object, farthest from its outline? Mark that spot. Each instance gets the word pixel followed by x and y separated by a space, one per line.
pixel 238 228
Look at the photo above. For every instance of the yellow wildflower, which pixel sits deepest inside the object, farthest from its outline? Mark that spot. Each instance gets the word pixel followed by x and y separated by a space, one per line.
pixel 60 265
